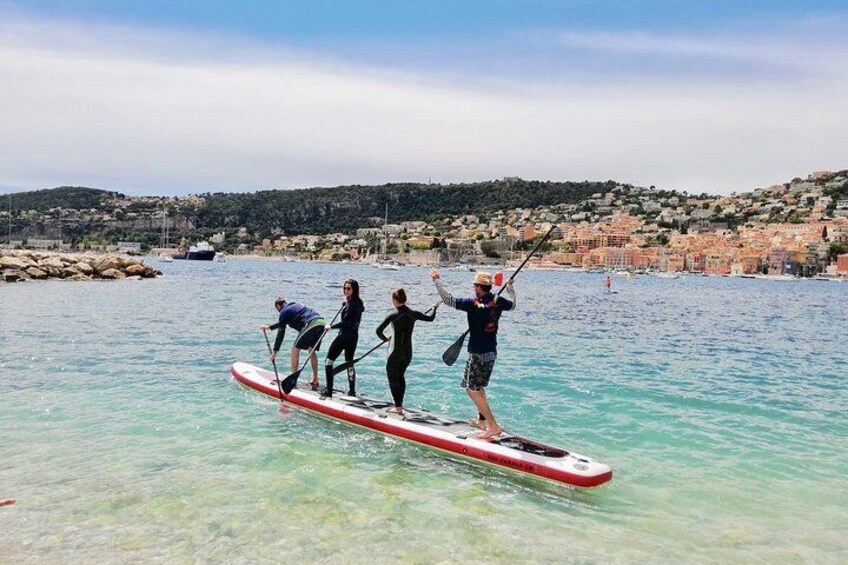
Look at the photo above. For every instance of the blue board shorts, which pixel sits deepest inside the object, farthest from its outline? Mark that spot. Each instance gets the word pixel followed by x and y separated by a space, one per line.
pixel 309 336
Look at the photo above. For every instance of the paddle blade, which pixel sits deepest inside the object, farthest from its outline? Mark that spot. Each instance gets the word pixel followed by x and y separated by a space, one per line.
pixel 498 279
pixel 291 381
pixel 451 354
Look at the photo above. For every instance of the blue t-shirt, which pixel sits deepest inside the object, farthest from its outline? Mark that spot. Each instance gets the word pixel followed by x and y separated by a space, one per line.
pixel 483 315
pixel 294 315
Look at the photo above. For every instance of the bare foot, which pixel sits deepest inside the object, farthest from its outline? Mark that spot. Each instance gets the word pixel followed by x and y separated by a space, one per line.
pixel 490 434
pixel 395 409
pixel 478 422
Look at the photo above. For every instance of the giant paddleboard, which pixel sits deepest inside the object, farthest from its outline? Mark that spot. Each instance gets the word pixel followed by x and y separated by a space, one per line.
pixel 445 434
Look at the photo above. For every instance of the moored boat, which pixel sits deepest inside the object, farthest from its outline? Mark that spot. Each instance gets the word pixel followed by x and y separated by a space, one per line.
pixel 200 252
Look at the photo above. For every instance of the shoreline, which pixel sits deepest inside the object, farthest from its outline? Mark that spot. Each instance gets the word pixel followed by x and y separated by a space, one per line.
pixel 547 268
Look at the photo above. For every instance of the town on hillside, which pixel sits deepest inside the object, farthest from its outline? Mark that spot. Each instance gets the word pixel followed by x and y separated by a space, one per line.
pixel 799 228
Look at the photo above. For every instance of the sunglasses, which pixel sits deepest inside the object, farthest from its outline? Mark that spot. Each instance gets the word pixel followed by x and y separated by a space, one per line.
pixel 348 288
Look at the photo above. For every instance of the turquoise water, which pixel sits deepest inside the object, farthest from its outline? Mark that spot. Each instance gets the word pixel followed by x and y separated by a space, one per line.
pixel 721 405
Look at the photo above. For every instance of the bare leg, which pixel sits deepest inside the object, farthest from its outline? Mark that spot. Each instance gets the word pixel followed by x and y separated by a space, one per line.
pixel 295 359
pixel 479 398
pixel 313 360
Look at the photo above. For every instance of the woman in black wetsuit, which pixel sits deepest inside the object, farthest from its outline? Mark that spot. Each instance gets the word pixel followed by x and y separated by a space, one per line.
pixel 348 337
pixel 400 349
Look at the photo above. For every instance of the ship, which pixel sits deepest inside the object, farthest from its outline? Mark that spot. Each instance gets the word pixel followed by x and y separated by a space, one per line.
pixel 200 252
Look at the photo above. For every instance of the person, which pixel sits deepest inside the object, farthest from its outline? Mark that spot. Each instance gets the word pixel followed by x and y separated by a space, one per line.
pixel 400 349
pixel 483 312
pixel 310 327
pixel 347 338
pixel 608 283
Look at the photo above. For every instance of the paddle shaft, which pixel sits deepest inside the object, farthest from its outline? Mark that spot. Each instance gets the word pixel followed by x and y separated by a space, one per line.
pixel 274 364
pixel 347 364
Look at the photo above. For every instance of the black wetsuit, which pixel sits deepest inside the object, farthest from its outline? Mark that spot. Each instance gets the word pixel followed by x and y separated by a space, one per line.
pixel 345 341
pixel 400 355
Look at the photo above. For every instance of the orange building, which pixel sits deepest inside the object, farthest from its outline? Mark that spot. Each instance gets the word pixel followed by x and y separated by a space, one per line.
pixel 842 264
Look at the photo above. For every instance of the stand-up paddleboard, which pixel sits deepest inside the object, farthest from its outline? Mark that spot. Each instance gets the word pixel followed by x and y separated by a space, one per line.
pixel 446 434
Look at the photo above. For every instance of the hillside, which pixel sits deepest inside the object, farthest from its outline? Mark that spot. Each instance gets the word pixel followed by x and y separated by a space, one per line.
pixel 345 208
pixel 69 197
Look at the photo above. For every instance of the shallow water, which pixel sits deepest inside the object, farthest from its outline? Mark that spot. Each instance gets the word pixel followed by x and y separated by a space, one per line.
pixel 721 405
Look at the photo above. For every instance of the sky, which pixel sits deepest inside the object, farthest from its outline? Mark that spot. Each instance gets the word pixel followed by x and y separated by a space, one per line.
pixel 173 98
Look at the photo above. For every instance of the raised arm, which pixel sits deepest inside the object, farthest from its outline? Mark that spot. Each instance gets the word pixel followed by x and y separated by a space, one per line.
pixel 424 317
pixel 446 296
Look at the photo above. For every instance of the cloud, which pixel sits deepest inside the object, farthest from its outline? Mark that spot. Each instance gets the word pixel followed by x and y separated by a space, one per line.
pixel 765 55
pixel 146 112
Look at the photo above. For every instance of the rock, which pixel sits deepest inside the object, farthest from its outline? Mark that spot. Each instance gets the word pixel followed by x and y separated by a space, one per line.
pixel 135 270
pixel 25 265
pixel 9 262
pixel 11 275
pixel 36 273
pixel 52 266
pixel 51 263
pixel 114 274
pixel 110 262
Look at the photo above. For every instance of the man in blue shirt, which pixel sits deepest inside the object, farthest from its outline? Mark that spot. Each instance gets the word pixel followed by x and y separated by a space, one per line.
pixel 483 312
pixel 310 327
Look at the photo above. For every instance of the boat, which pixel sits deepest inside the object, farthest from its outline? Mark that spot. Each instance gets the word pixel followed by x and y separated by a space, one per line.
pixel 383 261
pixel 445 434
pixel 200 252
pixel 163 258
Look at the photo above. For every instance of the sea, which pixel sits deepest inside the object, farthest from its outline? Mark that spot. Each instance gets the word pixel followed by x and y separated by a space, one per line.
pixel 721 404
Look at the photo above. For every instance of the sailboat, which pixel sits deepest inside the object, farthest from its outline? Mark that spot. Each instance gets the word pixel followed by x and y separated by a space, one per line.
pixel 383 262
pixel 164 257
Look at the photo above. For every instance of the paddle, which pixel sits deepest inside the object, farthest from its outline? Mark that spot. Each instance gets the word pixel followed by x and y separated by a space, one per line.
pixel 347 364
pixel 451 354
pixel 291 381
pixel 274 363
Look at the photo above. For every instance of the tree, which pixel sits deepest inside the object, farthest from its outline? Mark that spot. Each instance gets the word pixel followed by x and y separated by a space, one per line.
pixel 835 250
pixel 488 249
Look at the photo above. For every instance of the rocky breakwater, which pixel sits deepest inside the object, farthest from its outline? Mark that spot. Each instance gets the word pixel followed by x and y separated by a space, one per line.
pixel 34 265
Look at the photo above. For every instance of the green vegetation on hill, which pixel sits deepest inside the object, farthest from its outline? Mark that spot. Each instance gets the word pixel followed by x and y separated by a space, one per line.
pixel 71 197
pixel 345 208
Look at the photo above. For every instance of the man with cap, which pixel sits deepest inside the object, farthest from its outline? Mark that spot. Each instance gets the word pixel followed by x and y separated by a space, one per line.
pixel 483 311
